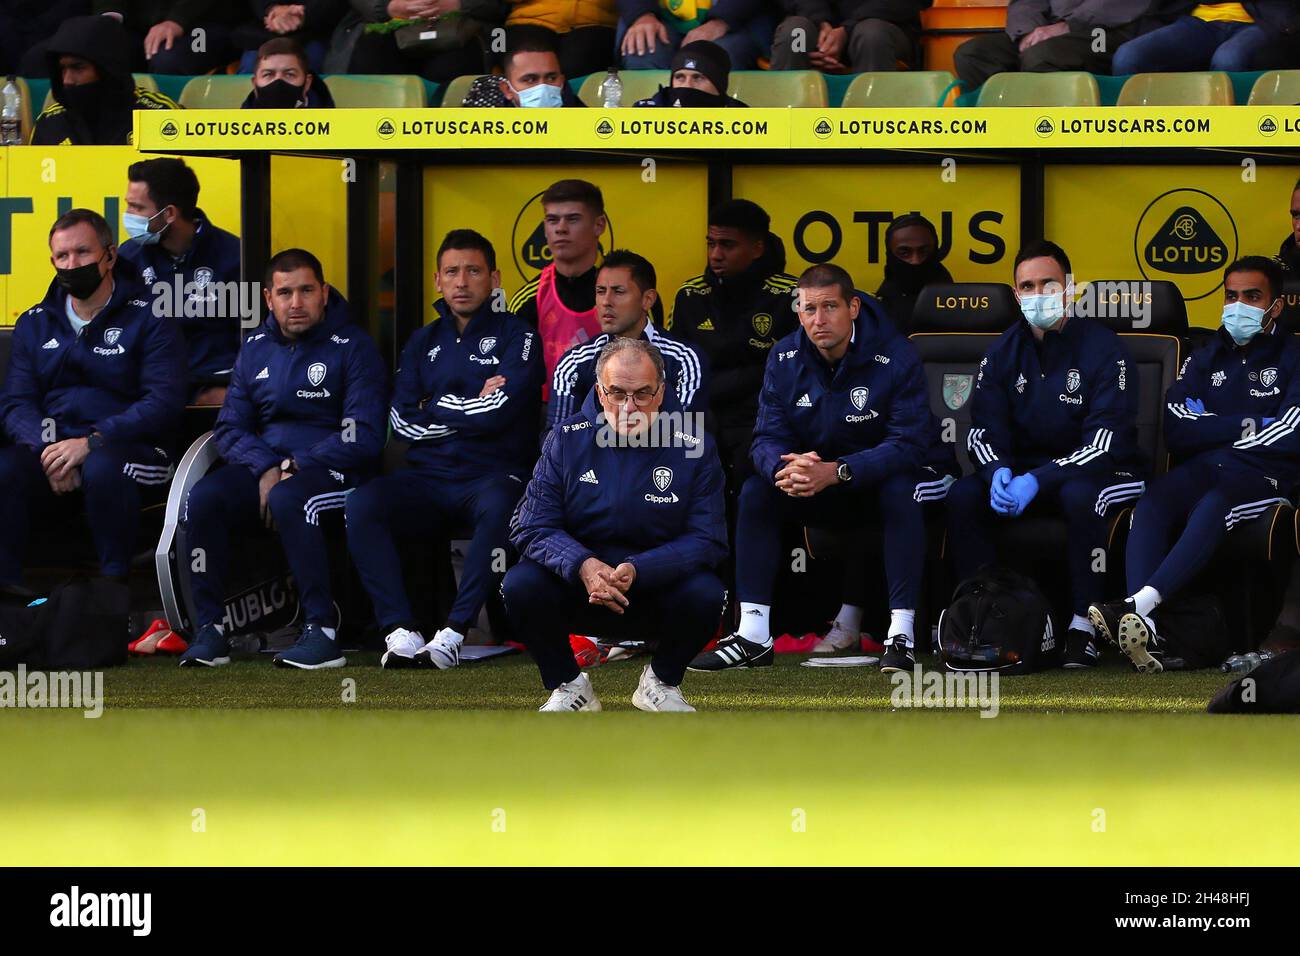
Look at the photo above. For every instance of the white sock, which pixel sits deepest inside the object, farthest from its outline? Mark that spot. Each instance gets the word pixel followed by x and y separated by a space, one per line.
pixel 1146 600
pixel 329 632
pixel 901 623
pixel 754 625
pixel 1081 623
pixel 849 620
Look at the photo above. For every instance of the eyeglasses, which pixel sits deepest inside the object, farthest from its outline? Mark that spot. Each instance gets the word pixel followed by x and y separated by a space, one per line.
pixel 640 398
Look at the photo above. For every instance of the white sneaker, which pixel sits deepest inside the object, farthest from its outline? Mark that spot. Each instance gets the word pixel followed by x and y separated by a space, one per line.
pixel 403 645
pixel 837 640
pixel 443 651
pixel 577 694
pixel 655 696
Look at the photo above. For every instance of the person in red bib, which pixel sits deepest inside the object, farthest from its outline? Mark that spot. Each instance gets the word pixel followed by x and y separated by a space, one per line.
pixel 561 301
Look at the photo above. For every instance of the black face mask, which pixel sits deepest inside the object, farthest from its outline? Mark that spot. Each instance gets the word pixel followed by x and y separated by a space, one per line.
pixel 86 99
pixel 81 282
pixel 688 96
pixel 278 95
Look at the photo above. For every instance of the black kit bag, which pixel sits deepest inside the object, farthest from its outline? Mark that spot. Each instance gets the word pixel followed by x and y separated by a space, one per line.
pixel 1195 631
pixel 999 620
pixel 83 624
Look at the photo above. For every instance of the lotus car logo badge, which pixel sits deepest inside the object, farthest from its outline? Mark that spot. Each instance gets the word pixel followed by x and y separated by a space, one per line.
pixel 316 373
pixel 859 398
pixel 663 477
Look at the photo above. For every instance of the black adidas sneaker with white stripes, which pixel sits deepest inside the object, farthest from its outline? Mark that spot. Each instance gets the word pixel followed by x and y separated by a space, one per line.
pixel 1080 649
pixel 731 652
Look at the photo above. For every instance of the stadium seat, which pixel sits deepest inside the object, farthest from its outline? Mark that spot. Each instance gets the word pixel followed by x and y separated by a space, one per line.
pixel 351 91
pixel 1177 89
pixel 898 90
pixel 1276 88
pixel 779 88
pixel 965 307
pixel 1040 89
pixel 454 94
pixel 1166 312
pixel 216 92
pixel 144 80
pixel 637 85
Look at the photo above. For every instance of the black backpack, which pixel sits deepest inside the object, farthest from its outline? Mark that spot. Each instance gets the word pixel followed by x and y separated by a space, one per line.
pixel 83 624
pixel 999 620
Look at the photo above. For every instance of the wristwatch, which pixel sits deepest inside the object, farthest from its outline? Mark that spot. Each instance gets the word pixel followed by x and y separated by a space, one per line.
pixel 843 472
pixel 288 467
pixel 94 441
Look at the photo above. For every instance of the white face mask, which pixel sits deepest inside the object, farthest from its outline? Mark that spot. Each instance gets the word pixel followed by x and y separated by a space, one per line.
pixel 542 95
pixel 1042 311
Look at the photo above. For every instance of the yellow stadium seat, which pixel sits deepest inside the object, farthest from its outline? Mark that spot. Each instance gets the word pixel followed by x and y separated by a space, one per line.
pixel 1276 88
pixel 217 92
pixel 1040 89
pixel 1177 89
pixel 779 88
pixel 144 80
pixel 637 85
pixel 456 90
pixel 897 90
pixel 378 92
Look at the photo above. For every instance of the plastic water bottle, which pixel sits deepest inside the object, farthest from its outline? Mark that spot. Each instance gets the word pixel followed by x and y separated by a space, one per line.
pixel 1244 663
pixel 11 129
pixel 611 90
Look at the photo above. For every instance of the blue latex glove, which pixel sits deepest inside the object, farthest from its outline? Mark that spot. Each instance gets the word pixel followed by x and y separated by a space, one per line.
pixel 1195 405
pixel 1022 491
pixel 1265 422
pixel 999 500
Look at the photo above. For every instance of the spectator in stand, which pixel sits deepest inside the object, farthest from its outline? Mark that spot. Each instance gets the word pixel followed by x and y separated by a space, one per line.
pixel 282 80
pixel 1046 36
pixel 94 93
pixel 165 32
pixel 532 75
pixel 369 39
pixel 911 263
pixel 700 77
pixel 310 22
pixel 584 30
pixel 1215 36
pixel 848 36
pixel 25 26
pixel 650 31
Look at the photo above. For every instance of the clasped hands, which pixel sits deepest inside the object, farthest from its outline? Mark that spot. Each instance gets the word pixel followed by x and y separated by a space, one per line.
pixel 1010 495
pixel 607 586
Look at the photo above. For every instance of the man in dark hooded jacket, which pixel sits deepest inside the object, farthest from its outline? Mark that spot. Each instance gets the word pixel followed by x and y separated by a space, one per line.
pixel 911 263
pixel 94 92
pixel 701 73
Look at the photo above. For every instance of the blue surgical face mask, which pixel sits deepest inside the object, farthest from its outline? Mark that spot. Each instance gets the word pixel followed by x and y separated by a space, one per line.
pixel 137 227
pixel 541 95
pixel 1042 311
pixel 1243 321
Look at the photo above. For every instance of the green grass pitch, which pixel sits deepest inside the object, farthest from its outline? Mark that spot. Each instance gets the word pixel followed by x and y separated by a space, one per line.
pixel 788 765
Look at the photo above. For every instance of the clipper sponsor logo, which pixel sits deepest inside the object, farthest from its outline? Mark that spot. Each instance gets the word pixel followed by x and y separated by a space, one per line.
pixel 111 337
pixel 1073 382
pixel 74 909
pixel 662 478
pixel 315 375
pixel 858 397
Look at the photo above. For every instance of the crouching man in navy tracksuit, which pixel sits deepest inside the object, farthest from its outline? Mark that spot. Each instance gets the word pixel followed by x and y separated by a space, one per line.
pixel 467 397
pixel 843 429
pixel 1053 430
pixel 302 424
pixel 620 530
pixel 1233 417
pixel 92 397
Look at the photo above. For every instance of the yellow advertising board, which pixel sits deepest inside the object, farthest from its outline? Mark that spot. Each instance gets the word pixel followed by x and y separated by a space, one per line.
pixel 1183 224
pixel 342 131
pixel 658 210
pixel 839 213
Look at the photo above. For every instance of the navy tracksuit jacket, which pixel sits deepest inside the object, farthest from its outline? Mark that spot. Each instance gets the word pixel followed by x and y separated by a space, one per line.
pixel 872 412
pixel 124 377
pixel 575 374
pixel 320 400
pixel 659 508
pixel 210 342
pixel 468 459
pixel 1236 463
pixel 1064 410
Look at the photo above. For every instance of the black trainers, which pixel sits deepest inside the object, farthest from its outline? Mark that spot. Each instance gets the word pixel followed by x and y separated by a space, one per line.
pixel 1105 618
pixel 733 651
pixel 897 657
pixel 1139 642
pixel 1080 649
